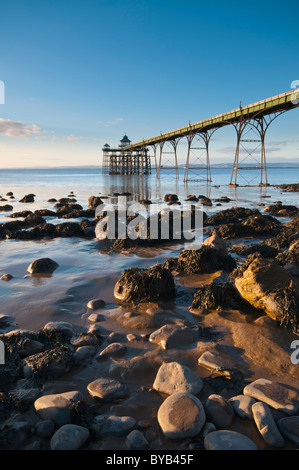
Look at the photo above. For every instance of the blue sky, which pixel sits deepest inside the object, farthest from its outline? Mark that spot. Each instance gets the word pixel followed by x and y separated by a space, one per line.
pixel 78 74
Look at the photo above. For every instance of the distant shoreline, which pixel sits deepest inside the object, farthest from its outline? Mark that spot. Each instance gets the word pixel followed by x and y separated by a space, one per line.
pixel 215 166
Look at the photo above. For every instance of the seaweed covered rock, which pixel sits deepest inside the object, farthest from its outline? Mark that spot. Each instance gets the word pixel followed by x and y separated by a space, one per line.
pixel 206 259
pixel 268 286
pixel 216 295
pixel 49 364
pixel 145 284
pixel 232 215
pixel 94 201
pixel 28 198
pixel 254 225
pixel 171 198
pixel 287 234
pixel 68 229
pixel 290 259
pixel 281 210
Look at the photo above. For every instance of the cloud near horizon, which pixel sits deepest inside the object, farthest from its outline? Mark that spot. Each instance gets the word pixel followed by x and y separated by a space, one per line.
pixel 10 128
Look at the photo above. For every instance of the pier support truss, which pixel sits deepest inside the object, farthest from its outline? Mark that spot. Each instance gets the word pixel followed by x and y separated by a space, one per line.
pixel 251 132
pixel 168 156
pixel 198 159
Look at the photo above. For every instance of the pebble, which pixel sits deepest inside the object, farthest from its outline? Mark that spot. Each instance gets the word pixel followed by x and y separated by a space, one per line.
pixel 104 425
pixel 25 395
pixel 242 406
pixel 172 336
pixel 181 415
pixel 275 394
pixel 112 350
pixel 266 425
pixel 228 440
pixel 217 362
pixel 105 389
pixel 289 428
pixel 84 353
pixel 85 339
pixel 69 437
pixel 173 377
pixel 219 411
pixel 95 304
pixel 45 428
pixel 57 406
pixel 95 317
pixel 136 440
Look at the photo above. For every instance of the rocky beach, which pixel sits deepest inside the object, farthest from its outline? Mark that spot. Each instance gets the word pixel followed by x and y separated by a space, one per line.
pixel 146 344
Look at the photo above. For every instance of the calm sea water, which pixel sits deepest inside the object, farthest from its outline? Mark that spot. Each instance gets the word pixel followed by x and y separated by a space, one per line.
pixel 86 182
pixel 85 270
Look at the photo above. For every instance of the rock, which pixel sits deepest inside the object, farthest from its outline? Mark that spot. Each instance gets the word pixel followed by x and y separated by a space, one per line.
pixel 136 440
pixel 219 411
pixel 13 434
pixel 181 415
pixel 96 317
pixel 26 396
pixel 217 363
pixel 59 327
pixel 145 284
pixel 206 259
pixel 171 198
pixel 267 286
pixel 276 395
pixel 266 425
pixel 216 242
pixel 95 304
pixel 85 339
pixel 45 428
pixel 109 425
pixel 208 427
pixel 57 407
pixel 106 390
pixel 42 265
pixel 242 406
pixel 6 208
pixel 29 347
pixel 215 295
pixel 83 354
pixel 69 437
pixel 112 350
pixel 6 277
pixel 289 428
pixel 228 440
pixel 173 377
pixel 172 336
pixel 49 364
pixel 28 198
pixel 94 201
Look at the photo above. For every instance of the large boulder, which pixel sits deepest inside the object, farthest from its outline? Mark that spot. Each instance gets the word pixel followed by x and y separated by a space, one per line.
pixel 173 377
pixel 268 286
pixel 181 416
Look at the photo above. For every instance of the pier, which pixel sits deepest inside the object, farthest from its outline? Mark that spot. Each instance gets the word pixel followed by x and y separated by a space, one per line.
pixel 251 123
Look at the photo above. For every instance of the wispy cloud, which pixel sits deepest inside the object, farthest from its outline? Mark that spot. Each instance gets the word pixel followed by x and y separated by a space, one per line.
pixel 18 129
pixel 111 123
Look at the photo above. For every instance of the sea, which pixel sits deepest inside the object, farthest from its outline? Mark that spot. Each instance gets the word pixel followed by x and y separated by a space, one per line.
pixel 86 270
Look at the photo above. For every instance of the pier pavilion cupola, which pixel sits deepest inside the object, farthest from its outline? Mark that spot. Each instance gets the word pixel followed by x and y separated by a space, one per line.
pixel 125 141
